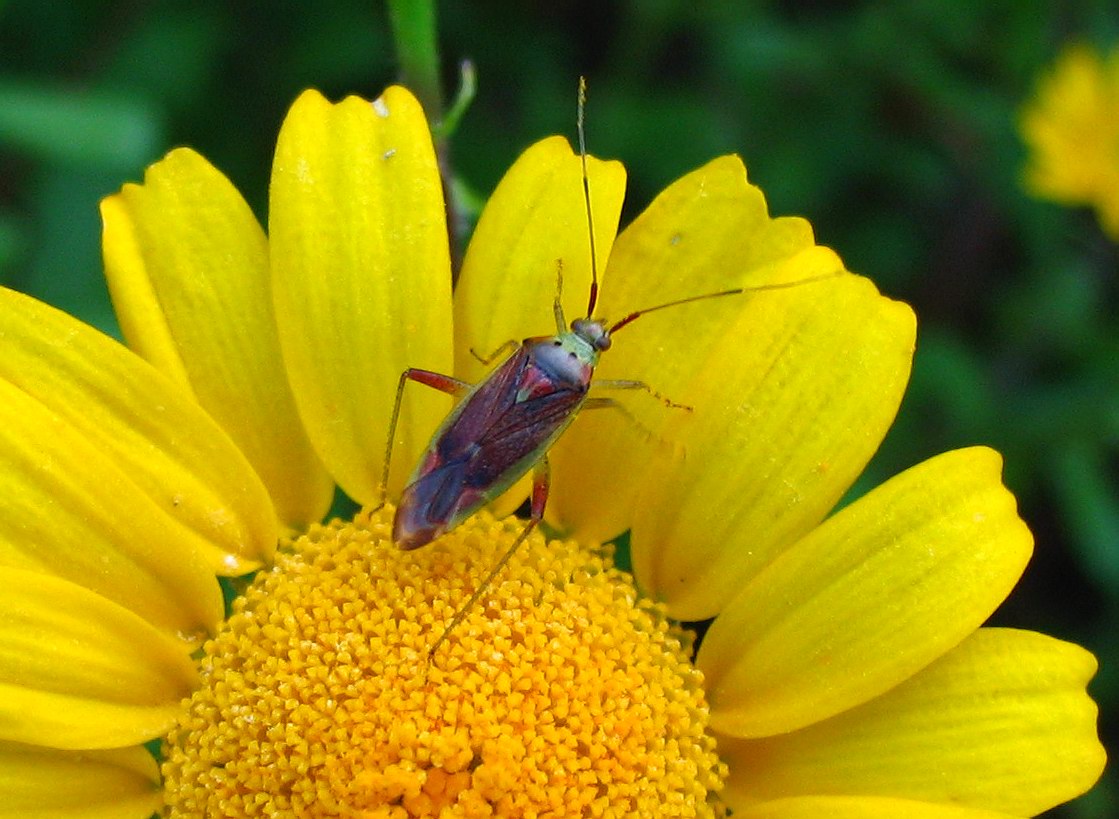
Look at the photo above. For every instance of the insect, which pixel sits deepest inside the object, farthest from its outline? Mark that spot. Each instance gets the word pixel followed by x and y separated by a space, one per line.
pixel 504 426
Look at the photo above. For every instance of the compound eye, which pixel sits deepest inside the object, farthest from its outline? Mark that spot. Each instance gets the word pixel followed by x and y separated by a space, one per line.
pixel 602 342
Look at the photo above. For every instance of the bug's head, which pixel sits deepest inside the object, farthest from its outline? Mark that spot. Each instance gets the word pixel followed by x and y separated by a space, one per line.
pixel 593 332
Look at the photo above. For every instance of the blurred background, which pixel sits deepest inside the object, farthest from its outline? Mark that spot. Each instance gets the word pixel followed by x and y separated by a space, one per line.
pixel 891 127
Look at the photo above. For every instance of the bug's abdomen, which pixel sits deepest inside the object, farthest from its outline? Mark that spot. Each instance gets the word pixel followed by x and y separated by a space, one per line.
pixel 429 505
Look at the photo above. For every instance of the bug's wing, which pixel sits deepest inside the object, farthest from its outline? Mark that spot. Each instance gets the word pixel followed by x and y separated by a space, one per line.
pixel 448 490
pixel 487 443
pixel 520 436
pixel 427 507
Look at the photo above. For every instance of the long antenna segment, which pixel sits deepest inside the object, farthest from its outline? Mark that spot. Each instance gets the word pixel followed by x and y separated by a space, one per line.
pixel 636 314
pixel 587 193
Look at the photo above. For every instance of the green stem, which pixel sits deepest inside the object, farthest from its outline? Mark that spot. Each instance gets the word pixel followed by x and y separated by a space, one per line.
pixel 413 27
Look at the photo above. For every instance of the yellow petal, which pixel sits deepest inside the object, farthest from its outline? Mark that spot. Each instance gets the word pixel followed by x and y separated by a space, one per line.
pixel 1071 130
pixel 1001 723
pixel 361 277
pixel 68 509
pixel 44 783
pixel 136 418
pixel 874 594
pixel 860 807
pixel 187 266
pixel 791 404
pixel 708 231
pixel 79 671
pixel 535 220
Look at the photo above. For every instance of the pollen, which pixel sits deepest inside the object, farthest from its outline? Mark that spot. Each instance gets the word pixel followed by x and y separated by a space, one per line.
pixel 561 693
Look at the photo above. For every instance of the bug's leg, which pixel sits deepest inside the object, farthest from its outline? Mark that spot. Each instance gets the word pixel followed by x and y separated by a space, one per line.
pixel 541 480
pixel 557 304
pixel 627 384
pixel 443 383
pixel 500 352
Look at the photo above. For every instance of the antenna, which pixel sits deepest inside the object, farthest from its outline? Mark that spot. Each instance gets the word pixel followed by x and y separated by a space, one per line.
pixel 587 192
pixel 636 314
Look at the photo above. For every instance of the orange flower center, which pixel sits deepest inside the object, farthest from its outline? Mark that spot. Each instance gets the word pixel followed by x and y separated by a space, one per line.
pixel 563 691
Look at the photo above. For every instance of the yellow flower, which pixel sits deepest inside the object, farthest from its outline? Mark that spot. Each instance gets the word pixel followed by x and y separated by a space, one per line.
pixel 845 672
pixel 1072 130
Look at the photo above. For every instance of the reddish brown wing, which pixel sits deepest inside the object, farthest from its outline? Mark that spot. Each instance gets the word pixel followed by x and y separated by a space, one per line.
pixel 488 442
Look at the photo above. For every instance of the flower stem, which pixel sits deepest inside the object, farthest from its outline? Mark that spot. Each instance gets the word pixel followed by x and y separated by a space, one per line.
pixel 414 30
pixel 413 27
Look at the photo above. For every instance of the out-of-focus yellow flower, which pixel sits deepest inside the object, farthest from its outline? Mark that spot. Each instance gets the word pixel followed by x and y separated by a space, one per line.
pixel 1071 127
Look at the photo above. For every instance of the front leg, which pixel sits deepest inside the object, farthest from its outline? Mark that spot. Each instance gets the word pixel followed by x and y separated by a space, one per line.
pixel 438 381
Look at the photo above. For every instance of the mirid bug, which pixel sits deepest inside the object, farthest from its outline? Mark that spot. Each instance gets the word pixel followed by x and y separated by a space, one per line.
pixel 504 426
